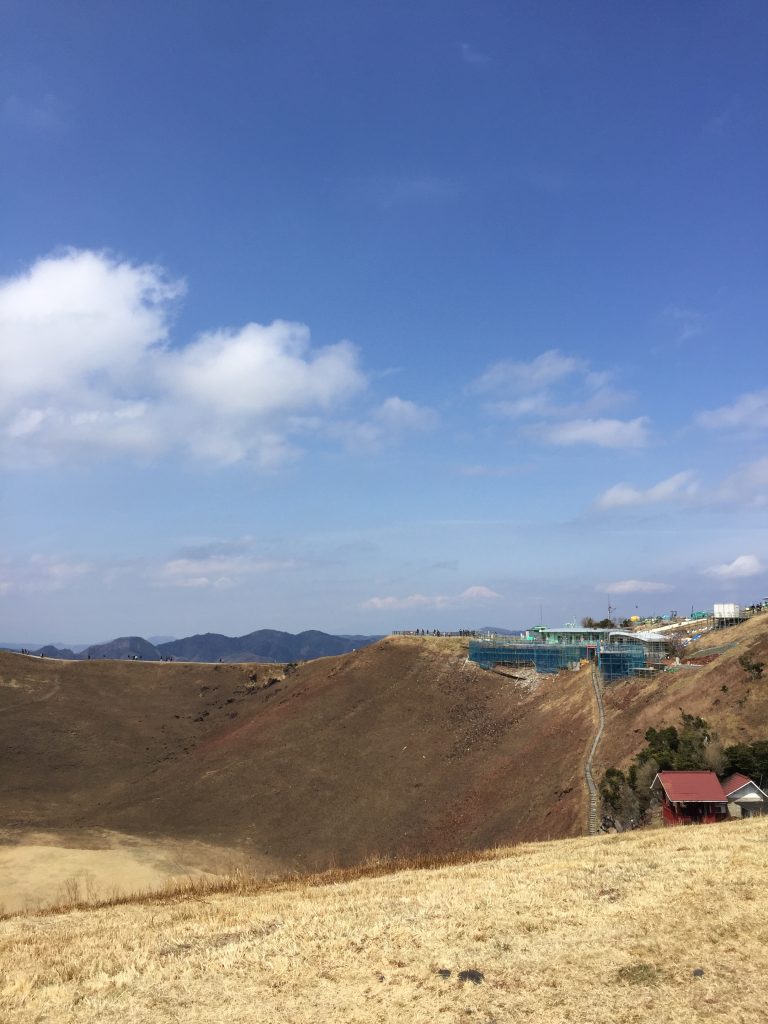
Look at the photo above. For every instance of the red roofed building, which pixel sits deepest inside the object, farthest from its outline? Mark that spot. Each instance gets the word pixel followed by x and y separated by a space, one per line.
pixel 690 797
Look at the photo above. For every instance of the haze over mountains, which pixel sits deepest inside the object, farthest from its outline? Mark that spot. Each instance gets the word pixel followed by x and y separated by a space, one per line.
pixel 263 645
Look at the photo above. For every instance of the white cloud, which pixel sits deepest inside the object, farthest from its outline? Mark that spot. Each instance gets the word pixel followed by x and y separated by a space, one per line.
pixel 749 412
pixel 687 323
pixel 86 363
pixel 566 393
pixel 218 565
pixel 548 368
pixel 387 424
pixel 218 571
pixel 635 587
pixel 478 594
pixel 743 566
pixel 679 487
pixel 537 404
pixel 606 433
pixel 260 371
pixel 747 486
pixel 41 574
pixel 79 322
pixel 471 595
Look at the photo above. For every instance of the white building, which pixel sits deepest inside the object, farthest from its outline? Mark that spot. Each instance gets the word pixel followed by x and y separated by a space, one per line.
pixel 745 798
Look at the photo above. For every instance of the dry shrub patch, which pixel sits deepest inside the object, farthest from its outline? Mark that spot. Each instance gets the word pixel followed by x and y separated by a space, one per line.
pixel 533 922
pixel 638 974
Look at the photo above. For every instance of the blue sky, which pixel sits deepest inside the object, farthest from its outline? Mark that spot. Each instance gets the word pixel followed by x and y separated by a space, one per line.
pixel 357 316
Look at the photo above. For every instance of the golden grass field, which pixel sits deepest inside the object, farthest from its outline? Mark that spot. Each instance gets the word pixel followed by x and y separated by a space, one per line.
pixel 40 869
pixel 608 929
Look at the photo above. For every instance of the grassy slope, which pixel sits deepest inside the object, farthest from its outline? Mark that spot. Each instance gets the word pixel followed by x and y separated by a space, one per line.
pixel 600 931
pixel 740 714
pixel 396 748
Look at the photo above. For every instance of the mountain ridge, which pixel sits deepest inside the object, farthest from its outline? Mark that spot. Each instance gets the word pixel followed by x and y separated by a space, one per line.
pixel 266 646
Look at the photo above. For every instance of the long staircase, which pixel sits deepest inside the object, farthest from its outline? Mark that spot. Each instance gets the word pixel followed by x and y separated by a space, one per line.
pixel 593 794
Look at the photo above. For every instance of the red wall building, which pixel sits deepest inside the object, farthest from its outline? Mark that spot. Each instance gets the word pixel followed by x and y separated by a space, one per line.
pixel 689 798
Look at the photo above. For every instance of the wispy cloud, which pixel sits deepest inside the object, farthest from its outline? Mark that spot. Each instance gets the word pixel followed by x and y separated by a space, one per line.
pixel 217 571
pixel 482 470
pixel 41 574
pixel 748 413
pixel 472 595
pixel 471 55
pixel 548 368
pixel 44 116
pixel 635 587
pixel 388 423
pixel 405 190
pixel 680 487
pixel 606 433
pixel 748 486
pixel 543 388
pixel 740 568
pixel 686 323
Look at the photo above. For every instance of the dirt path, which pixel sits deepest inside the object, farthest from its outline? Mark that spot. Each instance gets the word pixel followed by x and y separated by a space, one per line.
pixel 593 795
pixel 32 700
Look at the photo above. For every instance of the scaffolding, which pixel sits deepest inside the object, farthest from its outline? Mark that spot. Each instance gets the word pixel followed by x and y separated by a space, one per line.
pixel 615 661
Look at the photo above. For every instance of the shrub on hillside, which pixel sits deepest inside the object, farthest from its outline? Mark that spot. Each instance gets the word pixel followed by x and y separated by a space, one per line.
pixel 681 749
pixel 754 669
pixel 619 797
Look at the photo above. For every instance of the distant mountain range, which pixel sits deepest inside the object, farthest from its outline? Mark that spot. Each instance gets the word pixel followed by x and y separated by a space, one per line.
pixel 263 645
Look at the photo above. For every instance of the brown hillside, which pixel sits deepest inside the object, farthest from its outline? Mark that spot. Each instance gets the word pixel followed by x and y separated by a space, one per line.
pixel 399 747
pixel 720 692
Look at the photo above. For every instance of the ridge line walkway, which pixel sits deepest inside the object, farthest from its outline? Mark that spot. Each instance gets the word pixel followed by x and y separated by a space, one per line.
pixel 592 819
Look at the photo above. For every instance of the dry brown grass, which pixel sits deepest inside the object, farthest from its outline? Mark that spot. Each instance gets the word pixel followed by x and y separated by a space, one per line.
pixel 603 930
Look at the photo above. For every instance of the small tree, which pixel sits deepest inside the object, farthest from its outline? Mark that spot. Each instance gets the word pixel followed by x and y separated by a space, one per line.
pixel 677 642
pixel 642 777
pixel 611 788
pixel 749 759
pixel 618 796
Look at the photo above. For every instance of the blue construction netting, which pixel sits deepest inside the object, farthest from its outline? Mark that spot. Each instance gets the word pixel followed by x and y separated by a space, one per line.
pixel 615 661
pixel 617 664
pixel 543 657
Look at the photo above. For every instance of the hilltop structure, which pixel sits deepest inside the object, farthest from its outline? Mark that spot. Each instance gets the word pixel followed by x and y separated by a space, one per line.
pixel 617 652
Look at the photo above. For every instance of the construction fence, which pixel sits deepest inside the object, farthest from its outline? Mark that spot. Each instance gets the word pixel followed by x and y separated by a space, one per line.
pixel 615 661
